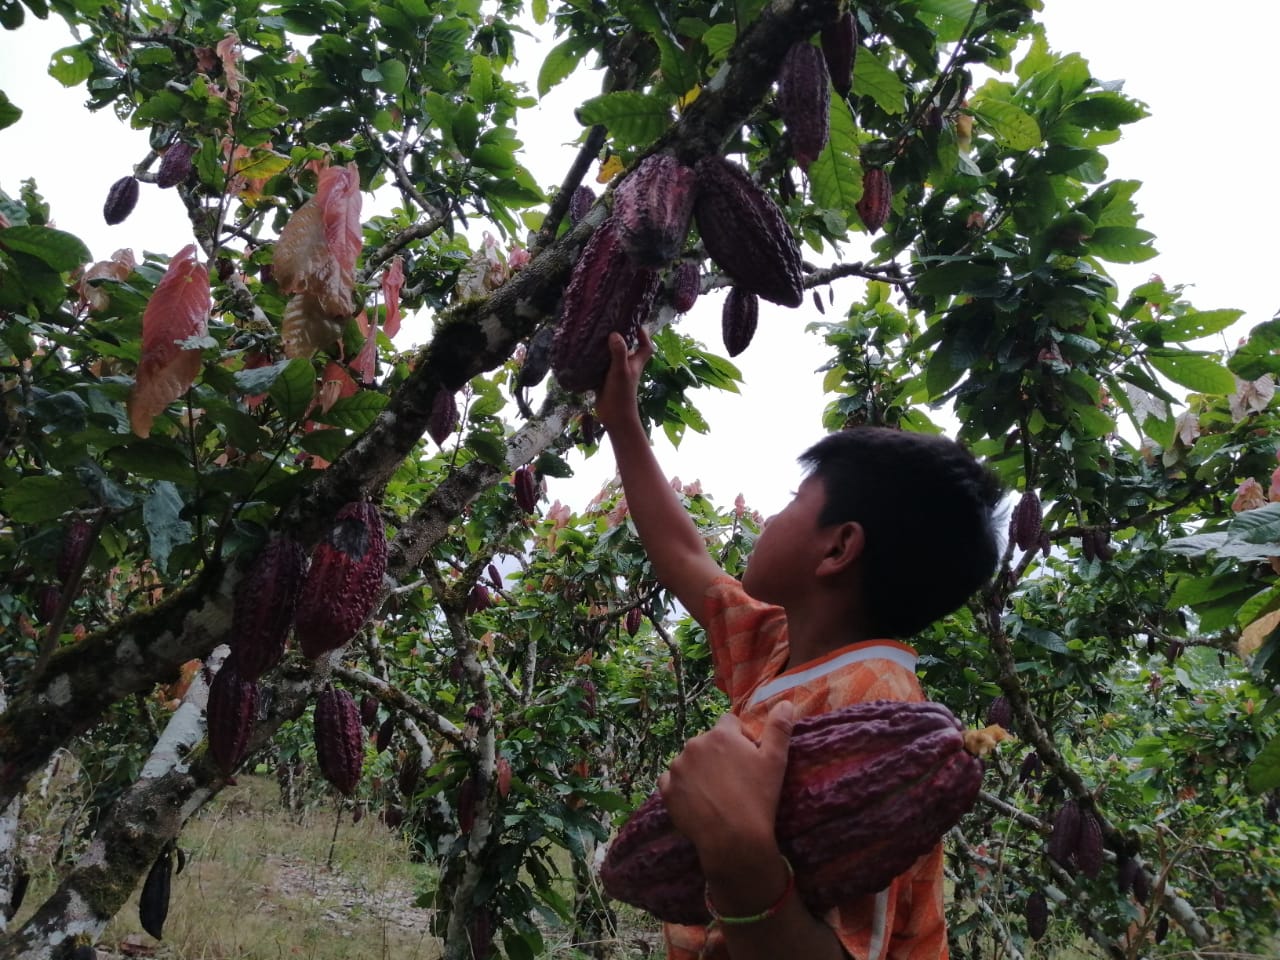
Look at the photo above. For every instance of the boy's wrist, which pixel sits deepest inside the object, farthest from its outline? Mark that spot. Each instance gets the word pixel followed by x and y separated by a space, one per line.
pixel 754 883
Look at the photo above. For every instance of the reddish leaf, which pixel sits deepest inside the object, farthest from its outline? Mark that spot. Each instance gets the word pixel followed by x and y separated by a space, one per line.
pixel 366 361
pixel 178 310
pixel 229 50
pixel 306 327
pixel 392 281
pixel 118 267
pixel 335 383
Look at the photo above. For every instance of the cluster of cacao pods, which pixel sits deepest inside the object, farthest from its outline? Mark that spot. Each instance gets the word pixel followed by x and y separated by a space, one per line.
pixel 894 778
pixel 1131 878
pixel 1075 842
pixel 122 196
pixel 1095 544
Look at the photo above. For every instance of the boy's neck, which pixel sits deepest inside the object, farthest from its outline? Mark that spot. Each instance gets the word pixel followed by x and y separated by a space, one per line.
pixel 813 631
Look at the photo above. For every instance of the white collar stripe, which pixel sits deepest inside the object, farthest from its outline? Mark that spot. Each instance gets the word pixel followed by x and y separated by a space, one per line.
pixel 789 681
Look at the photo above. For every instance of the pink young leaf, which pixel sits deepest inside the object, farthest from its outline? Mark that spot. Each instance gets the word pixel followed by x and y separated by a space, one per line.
pixel 177 311
pixel 335 383
pixel 306 327
pixel 228 50
pixel 392 281
pixel 366 361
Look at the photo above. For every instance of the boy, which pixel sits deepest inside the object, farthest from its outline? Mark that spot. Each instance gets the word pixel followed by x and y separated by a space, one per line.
pixel 888 532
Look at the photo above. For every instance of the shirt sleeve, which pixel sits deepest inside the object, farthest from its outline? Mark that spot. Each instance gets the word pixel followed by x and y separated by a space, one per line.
pixel 745 635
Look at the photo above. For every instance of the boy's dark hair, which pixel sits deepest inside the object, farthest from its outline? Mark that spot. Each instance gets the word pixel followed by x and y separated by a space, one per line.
pixel 925 505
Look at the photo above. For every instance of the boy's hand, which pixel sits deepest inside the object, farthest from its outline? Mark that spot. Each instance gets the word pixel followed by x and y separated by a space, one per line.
pixel 616 398
pixel 722 792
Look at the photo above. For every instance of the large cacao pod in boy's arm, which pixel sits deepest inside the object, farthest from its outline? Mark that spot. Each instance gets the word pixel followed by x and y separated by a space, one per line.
pixel 868 790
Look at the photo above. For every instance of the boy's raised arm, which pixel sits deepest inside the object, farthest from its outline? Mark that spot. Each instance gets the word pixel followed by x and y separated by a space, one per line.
pixel 674 545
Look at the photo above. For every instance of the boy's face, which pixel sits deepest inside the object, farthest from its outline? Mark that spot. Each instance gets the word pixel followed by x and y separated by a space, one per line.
pixel 787 552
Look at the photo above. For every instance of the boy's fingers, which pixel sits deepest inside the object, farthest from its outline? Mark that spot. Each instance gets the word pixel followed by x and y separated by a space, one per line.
pixel 776 736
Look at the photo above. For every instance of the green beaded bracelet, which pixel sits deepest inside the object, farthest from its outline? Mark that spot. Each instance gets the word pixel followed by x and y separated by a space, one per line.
pixel 766 914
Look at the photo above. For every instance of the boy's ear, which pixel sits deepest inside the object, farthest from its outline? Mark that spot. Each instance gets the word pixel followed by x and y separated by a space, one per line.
pixel 844 546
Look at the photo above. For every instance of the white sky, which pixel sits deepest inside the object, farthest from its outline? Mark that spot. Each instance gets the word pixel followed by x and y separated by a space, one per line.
pixel 1208 195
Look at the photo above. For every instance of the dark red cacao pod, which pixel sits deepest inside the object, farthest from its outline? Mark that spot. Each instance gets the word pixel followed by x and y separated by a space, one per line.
pixel 368 710
pixel 1037 914
pixel 867 790
pixel 1065 835
pixel 738 320
pixel 77 543
pixel 266 599
pixel 48 599
pixel 686 284
pixel 525 481
pixel 1162 928
pixel 580 203
pixel 745 232
pixel 1141 887
pixel 495 576
pixel 1000 713
pixel 502 776
pixel 1026 523
pixel 383 739
pixel 443 419
pixel 339 739
pixel 467 805
pixel 1127 871
pixel 653 206
pixel 230 713
pixel 393 816
pixel 840 47
pixel 877 199
pixel 588 689
pixel 410 773
pixel 1089 845
pixel 480 931
pixel 344 582
pixel 175 165
pixel 478 599
pixel 153 901
pixel 804 100
pixel 608 292
pixel 121 199
pixel 634 618
pixel 1031 766
pixel 817 302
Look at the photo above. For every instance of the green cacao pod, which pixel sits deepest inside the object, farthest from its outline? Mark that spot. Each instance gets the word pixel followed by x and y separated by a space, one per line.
pixel 746 234
pixel 608 292
pixel 653 206
pixel 876 200
pixel 230 713
pixel 339 739
pixel 839 47
pixel 868 789
pixel 344 581
pixel 265 601
pixel 1037 914
pixel 686 284
pixel 153 901
pixel 175 165
pixel 738 320
pixel 121 199
pixel 804 100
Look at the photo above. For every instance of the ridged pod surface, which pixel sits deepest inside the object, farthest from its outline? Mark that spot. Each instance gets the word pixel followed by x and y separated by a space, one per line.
pixel 580 203
pixel 877 199
pixel 175 165
pixel 1037 914
pixel 1065 835
pixel 839 47
pixel 746 234
pixel 344 581
pixel 867 790
pixel 634 618
pixel 525 481
pixel 1000 712
pixel 266 600
pixel 608 292
pixel 738 320
pixel 77 542
pixel 230 715
pixel 368 710
pixel 121 199
pixel 1089 845
pixel 804 100
pixel 443 419
pixel 686 285
pixel 339 739
pixel 653 206
pixel 1026 523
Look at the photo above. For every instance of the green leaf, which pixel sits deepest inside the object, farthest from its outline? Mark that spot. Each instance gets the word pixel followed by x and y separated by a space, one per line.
pixel 293 389
pixel 1012 126
pixel 9 114
pixel 481 86
pixel 539 10
pixel 488 448
pixel 1195 324
pixel 515 946
pixel 60 250
pixel 71 65
pixel 631 118
pixel 560 61
pixel 1122 244
pixel 328 443
pixel 719 40
pixel 259 379
pixel 1261 525
pixel 943 370
pixel 835 177
pixel 356 412
pixel 1222 544
pixel 1104 111
pixel 1264 773
pixel 39 499
pixel 161 513
pixel 394 75
pixel 872 78
pixel 154 459
pixel 1195 371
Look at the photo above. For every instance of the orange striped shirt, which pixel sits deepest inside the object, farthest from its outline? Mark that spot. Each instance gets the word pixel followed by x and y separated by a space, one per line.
pixel 750 650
